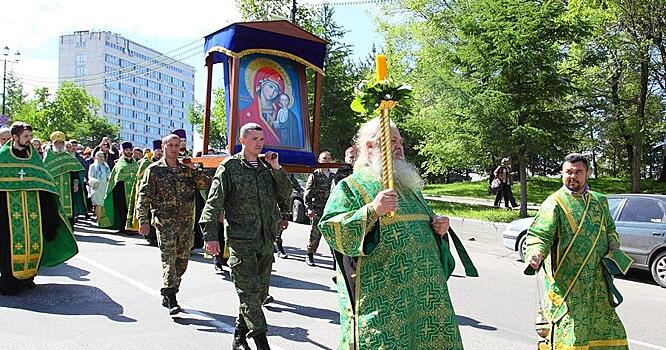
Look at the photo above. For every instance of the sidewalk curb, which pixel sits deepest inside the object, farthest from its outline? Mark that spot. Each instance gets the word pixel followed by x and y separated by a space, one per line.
pixel 478 230
pixel 482 202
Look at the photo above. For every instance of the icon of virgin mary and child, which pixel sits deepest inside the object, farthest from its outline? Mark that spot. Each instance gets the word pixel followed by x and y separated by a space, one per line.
pixel 270 108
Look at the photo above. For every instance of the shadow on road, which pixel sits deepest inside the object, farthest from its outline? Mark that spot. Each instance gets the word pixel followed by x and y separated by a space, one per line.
pixel 67 299
pixel 467 321
pixel 637 275
pixel 95 239
pixel 291 283
pixel 73 272
pixel 299 254
pixel 307 311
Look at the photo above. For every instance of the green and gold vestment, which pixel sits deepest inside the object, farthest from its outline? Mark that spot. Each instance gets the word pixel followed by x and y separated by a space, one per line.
pixel 397 296
pixel 573 232
pixel 132 213
pixel 124 172
pixel 21 181
pixel 60 165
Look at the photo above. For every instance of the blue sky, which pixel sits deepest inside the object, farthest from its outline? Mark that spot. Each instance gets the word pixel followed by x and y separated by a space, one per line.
pixel 34 26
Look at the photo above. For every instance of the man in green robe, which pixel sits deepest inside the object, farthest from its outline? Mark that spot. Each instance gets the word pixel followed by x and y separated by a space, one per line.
pixel 143 164
pixel 68 174
pixel 116 215
pixel 571 236
pixel 391 282
pixel 34 231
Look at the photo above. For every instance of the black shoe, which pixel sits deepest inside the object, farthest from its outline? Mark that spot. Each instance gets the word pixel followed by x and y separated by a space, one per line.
pixel 165 301
pixel 152 243
pixel 261 341
pixel 335 279
pixel 172 304
pixel 240 342
pixel 310 260
pixel 269 299
pixel 280 250
pixel 29 283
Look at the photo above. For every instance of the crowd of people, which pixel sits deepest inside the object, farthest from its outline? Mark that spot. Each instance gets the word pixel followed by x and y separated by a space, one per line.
pixel 391 250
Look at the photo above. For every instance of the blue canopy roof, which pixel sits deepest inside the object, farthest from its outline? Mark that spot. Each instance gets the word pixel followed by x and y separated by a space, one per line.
pixel 279 38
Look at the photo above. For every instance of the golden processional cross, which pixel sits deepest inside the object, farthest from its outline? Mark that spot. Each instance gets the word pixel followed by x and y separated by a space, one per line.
pixel 385 145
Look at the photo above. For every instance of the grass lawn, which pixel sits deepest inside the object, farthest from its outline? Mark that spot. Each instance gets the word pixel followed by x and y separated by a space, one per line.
pixel 476 212
pixel 538 188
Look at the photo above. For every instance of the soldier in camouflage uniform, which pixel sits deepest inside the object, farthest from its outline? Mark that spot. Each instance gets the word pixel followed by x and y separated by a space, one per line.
pixel 317 190
pixel 167 192
pixel 248 190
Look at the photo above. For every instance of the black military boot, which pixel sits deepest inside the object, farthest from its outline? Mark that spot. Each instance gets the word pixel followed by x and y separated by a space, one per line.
pixel 310 260
pixel 172 304
pixel 280 249
pixel 240 342
pixel 261 341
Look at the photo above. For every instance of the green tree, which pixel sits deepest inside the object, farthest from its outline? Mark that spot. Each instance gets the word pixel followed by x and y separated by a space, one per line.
pixel 72 111
pixel 14 95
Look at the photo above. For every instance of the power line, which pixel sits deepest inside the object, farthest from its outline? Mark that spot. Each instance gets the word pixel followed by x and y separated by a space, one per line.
pixel 117 75
pixel 149 62
pixel 352 2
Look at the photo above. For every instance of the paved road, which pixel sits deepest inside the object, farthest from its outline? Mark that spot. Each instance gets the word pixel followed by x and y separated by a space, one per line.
pixel 107 297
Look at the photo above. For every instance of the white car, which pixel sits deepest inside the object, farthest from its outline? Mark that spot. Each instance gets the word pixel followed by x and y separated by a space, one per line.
pixel 640 220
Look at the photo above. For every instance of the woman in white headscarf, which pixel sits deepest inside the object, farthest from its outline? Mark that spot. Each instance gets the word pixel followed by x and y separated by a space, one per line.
pixel 98 178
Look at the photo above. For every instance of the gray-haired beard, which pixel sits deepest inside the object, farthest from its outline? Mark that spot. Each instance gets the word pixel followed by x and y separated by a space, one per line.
pixel 58 149
pixel 405 174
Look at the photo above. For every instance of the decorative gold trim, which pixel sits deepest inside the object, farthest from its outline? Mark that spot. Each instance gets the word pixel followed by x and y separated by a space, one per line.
pixel 268 52
pixel 13 179
pixel 576 227
pixel 594 344
pixel 20 165
pixel 357 298
pixel 360 189
pixel 582 265
pixel 385 220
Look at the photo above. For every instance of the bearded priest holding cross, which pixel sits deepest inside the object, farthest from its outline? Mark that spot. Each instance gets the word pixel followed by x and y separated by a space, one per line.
pixel 392 250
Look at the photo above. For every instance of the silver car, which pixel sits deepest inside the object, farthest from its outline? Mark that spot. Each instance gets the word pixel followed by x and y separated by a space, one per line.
pixel 641 222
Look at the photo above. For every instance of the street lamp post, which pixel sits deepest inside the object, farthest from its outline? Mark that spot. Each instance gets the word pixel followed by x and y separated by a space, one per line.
pixel 5 53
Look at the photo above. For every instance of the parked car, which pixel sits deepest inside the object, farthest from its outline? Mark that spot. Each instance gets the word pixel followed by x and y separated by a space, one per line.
pixel 298 211
pixel 641 223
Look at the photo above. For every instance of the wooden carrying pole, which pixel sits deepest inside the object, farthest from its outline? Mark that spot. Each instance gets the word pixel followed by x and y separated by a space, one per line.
pixel 316 113
pixel 233 101
pixel 207 107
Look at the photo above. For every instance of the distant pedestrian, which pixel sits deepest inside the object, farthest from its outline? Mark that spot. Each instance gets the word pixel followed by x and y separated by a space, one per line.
pixel 110 152
pixel 317 189
pixel 503 174
pixel 5 135
pixel 98 178
pixel 166 196
pixel 248 190
pixel 119 192
pixel 37 145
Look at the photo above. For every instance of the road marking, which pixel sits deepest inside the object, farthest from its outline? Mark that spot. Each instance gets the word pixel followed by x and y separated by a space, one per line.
pixel 647 345
pixel 225 327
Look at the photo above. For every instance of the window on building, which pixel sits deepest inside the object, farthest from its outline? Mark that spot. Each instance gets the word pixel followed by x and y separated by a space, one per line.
pixel 112 59
pixel 79 71
pixel 80 59
pixel 127 100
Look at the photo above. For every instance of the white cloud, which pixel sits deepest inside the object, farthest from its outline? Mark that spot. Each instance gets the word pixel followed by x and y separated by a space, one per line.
pixel 33 27
pixel 31 24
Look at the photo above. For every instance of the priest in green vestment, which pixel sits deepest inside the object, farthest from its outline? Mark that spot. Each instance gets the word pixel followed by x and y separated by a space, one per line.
pixel 391 281
pixel 68 174
pixel 143 164
pixel 34 230
pixel 573 237
pixel 116 215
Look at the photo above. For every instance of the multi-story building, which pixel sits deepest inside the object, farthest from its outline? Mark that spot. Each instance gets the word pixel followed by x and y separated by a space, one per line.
pixel 146 93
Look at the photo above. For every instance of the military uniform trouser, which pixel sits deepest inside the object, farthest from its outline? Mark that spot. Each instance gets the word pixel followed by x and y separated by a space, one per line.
pixel 315 235
pixel 175 239
pixel 250 262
